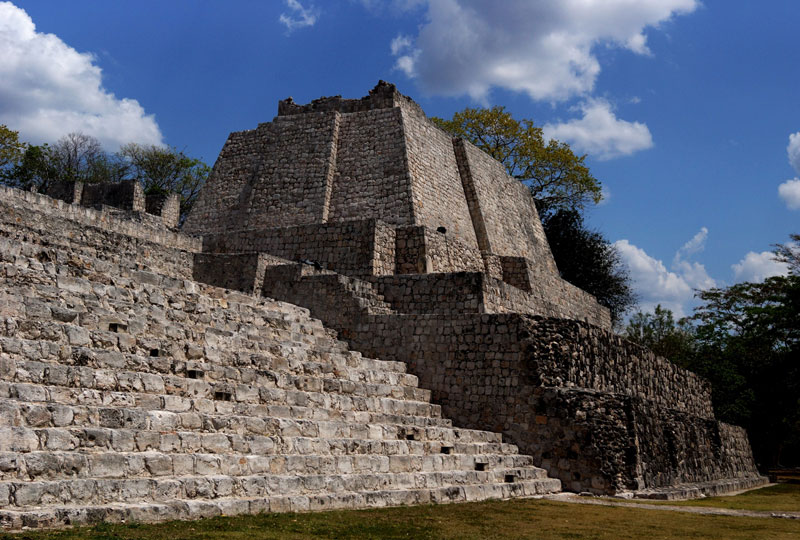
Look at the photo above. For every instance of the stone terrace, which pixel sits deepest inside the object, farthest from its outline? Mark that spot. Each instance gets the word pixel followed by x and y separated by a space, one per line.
pixel 129 391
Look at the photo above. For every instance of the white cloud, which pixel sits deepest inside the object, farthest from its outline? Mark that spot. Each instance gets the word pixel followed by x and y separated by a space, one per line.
pixel 758 267
pixel 789 191
pixel 652 282
pixel 48 89
pixel 655 284
pixel 300 16
pixel 695 245
pixel 540 47
pixel 600 133
pixel 794 151
pixel 400 44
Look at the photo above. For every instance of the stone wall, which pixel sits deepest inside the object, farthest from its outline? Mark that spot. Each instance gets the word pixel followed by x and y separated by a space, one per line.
pixel 371 180
pixel 422 250
pixel 543 293
pixel 166 205
pixel 219 205
pixel 503 207
pixel 364 247
pixel 126 195
pixel 577 397
pixel 438 195
pixel 74 222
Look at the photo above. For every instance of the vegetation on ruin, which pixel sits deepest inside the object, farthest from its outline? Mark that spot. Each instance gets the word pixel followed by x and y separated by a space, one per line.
pixel 80 157
pixel 745 339
pixel 517 519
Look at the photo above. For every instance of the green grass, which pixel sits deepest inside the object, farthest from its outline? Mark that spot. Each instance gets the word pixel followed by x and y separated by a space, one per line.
pixel 519 519
pixel 777 498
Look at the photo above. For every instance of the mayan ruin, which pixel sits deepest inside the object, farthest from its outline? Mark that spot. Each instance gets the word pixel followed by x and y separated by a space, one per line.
pixel 359 311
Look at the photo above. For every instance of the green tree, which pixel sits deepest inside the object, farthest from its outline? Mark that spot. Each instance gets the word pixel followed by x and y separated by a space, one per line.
pixel 75 157
pixel 166 170
pixel 34 169
pixel 587 260
pixel 558 178
pixel 11 148
pixel 748 340
pixel 659 332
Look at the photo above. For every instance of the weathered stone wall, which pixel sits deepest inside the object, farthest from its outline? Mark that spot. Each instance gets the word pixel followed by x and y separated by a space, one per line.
pixel 69 192
pixel 86 226
pixel 503 207
pixel 543 293
pixel 220 203
pixel 358 248
pixel 371 180
pixel 166 205
pixel 422 250
pixel 575 396
pixel 295 171
pixel 438 195
pixel 274 176
pixel 126 195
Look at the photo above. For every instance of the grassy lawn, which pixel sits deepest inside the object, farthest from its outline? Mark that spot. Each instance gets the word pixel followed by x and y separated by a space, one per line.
pixel 778 498
pixel 517 519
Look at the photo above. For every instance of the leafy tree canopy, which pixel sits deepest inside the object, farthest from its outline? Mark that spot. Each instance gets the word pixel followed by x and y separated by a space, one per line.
pixel 587 260
pixel 166 170
pixel 659 332
pixel 11 148
pixel 80 157
pixel 558 178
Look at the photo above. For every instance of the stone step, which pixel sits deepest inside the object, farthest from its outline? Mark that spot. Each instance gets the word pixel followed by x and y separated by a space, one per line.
pixel 374 440
pixel 128 328
pixel 233 401
pixel 383 440
pixel 18 415
pixel 136 317
pixel 204 382
pixel 151 357
pixel 196 508
pixel 211 485
pixel 182 393
pixel 58 465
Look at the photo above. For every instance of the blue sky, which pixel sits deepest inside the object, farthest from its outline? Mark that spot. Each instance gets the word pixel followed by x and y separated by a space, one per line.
pixel 685 109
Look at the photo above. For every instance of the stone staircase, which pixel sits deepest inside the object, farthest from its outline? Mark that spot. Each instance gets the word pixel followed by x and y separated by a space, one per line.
pixel 130 392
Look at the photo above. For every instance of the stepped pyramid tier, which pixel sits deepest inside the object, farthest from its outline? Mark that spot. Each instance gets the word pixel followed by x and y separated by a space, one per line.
pixel 417 247
pixel 131 391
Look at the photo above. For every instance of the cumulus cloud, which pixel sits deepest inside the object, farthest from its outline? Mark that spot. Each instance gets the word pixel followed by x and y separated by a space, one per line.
pixel 48 89
pixel 794 151
pixel 789 191
pixel 299 17
pixel 539 47
pixel 672 288
pixel 600 133
pixel 652 281
pixel 759 266
pixel 695 245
